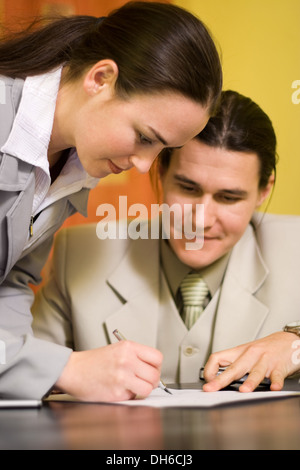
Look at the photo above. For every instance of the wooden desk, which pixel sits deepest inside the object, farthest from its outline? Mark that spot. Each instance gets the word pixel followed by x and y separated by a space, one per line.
pixel 263 425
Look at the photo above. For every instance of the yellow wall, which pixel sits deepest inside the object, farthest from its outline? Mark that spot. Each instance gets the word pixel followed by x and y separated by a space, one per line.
pixel 260 45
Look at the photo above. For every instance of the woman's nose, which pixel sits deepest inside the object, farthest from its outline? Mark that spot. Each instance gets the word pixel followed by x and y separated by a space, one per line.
pixel 143 162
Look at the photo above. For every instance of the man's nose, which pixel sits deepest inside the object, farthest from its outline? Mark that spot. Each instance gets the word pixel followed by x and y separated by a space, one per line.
pixel 210 212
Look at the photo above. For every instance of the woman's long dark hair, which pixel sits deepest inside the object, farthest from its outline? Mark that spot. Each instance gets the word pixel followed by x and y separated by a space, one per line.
pixel 239 125
pixel 156 46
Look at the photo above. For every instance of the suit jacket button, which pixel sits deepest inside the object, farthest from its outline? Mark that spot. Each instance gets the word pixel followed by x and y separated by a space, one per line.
pixel 188 351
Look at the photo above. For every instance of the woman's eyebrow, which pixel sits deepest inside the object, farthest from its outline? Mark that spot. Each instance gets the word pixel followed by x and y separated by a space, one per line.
pixel 162 140
pixel 158 136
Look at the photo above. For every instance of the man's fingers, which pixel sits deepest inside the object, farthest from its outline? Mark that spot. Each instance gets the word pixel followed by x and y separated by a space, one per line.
pixel 217 360
pixel 255 377
pixel 277 380
pixel 231 374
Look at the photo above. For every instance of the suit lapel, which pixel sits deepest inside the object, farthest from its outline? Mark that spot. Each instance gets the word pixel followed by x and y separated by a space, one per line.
pixel 136 282
pixel 17 206
pixel 240 314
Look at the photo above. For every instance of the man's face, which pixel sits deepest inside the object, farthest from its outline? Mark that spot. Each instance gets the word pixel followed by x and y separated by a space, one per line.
pixel 226 183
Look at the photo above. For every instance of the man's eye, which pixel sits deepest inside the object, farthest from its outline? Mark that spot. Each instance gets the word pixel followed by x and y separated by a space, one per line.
pixel 187 188
pixel 229 199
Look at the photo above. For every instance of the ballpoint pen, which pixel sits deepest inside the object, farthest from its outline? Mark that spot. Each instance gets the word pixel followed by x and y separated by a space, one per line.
pixel 265 382
pixel 120 337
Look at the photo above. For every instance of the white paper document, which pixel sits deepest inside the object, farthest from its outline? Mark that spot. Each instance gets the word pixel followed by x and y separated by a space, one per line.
pixel 190 398
pixel 198 399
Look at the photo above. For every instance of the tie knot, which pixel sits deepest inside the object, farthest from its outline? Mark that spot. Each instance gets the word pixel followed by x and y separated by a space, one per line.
pixel 193 289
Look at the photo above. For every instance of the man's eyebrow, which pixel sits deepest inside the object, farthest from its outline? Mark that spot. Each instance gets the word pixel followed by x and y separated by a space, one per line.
pixel 184 179
pixel 234 191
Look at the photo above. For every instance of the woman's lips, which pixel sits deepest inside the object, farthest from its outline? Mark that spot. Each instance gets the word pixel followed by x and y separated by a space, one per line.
pixel 114 168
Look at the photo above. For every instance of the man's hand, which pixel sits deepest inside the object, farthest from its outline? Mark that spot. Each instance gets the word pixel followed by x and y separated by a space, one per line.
pixel 115 372
pixel 272 357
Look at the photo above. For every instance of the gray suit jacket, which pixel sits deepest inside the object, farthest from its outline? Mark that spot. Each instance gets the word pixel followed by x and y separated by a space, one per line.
pixel 32 366
pixel 97 286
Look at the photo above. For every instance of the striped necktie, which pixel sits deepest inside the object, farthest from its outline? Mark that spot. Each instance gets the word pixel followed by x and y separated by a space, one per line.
pixel 194 291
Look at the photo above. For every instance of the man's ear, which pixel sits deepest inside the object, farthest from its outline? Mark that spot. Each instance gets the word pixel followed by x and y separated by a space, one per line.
pixel 265 192
pixel 102 75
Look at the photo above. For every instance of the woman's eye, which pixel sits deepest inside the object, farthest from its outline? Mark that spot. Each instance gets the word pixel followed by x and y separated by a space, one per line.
pixel 145 140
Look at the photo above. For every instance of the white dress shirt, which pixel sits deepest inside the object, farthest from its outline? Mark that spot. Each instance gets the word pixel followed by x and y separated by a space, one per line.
pixel 29 140
pixel 30 136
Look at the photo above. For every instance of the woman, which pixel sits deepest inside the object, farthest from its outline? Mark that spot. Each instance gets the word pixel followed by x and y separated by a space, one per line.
pixel 135 285
pixel 85 97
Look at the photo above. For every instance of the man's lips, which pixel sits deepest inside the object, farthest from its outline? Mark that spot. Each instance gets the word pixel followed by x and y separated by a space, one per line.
pixel 205 238
pixel 114 168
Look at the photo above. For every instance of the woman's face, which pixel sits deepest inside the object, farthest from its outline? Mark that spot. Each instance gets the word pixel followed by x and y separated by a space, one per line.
pixel 226 183
pixel 113 134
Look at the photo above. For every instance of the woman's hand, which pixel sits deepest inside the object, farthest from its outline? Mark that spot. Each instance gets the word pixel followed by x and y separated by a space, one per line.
pixel 276 357
pixel 115 372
